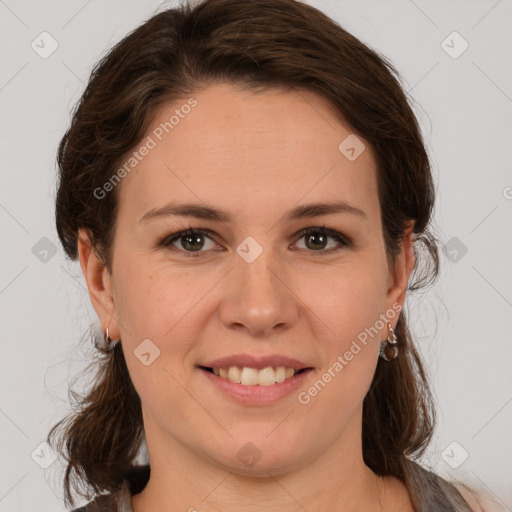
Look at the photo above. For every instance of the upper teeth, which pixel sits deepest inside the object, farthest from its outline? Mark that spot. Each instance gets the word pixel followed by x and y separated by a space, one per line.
pixel 252 376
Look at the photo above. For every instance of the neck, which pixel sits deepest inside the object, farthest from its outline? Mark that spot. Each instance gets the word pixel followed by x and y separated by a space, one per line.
pixel 337 479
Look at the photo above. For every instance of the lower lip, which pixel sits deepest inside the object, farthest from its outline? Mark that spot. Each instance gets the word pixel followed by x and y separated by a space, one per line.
pixel 257 395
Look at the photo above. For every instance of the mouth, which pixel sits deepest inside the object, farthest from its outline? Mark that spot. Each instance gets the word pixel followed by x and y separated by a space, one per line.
pixel 247 376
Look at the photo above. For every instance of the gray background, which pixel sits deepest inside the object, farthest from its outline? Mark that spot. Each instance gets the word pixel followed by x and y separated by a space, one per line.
pixel 464 103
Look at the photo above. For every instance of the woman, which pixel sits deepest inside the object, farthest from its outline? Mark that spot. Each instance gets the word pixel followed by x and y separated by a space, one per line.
pixel 248 193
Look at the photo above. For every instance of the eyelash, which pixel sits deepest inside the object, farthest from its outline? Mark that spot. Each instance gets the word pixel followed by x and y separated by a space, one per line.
pixel 169 239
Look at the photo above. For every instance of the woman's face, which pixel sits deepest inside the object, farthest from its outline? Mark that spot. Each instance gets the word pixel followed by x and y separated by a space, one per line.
pixel 250 285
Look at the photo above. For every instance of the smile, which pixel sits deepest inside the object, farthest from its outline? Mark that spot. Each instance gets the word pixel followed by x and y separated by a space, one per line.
pixel 254 377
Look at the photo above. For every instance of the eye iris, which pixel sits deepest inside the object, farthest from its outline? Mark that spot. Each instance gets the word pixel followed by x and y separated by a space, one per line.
pixel 316 236
pixel 193 239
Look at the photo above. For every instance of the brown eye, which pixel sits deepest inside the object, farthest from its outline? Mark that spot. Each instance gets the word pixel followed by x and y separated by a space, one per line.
pixel 189 241
pixel 317 240
pixel 192 242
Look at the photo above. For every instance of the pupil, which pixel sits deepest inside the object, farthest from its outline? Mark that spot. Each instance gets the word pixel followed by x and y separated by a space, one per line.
pixel 192 239
pixel 320 236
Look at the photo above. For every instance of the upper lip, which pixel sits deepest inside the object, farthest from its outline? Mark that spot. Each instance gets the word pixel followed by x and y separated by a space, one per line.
pixel 256 362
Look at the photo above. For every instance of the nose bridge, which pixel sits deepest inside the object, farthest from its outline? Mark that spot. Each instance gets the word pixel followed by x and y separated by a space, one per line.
pixel 258 298
pixel 257 262
pixel 260 276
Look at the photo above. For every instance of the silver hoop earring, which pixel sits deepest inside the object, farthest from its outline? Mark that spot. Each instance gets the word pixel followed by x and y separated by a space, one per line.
pixel 109 342
pixel 388 347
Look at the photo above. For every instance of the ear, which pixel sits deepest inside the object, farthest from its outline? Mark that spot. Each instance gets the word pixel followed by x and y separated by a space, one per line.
pixel 99 284
pixel 399 277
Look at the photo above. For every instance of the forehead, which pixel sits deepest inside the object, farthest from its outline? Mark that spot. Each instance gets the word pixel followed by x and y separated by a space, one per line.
pixel 249 152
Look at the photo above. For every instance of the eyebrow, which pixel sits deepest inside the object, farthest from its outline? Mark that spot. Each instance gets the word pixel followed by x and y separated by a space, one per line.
pixel 201 211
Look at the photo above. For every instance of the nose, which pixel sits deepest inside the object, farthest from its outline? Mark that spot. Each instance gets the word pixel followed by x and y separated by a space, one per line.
pixel 258 298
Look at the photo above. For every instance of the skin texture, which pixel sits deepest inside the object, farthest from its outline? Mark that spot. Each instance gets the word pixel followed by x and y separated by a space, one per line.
pixel 256 156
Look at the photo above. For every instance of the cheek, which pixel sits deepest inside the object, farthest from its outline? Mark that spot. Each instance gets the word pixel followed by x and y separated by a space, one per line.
pixel 144 294
pixel 163 307
pixel 345 314
pixel 346 300
pixel 167 305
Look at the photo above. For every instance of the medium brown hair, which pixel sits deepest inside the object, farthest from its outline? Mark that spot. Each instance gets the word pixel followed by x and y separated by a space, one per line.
pixel 256 45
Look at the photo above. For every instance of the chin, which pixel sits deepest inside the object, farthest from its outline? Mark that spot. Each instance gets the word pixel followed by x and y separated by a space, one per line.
pixel 258 458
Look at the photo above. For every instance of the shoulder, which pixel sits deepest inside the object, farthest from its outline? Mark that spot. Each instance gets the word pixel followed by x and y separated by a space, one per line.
pixel 430 491
pixel 103 503
pixel 133 482
pixel 480 501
